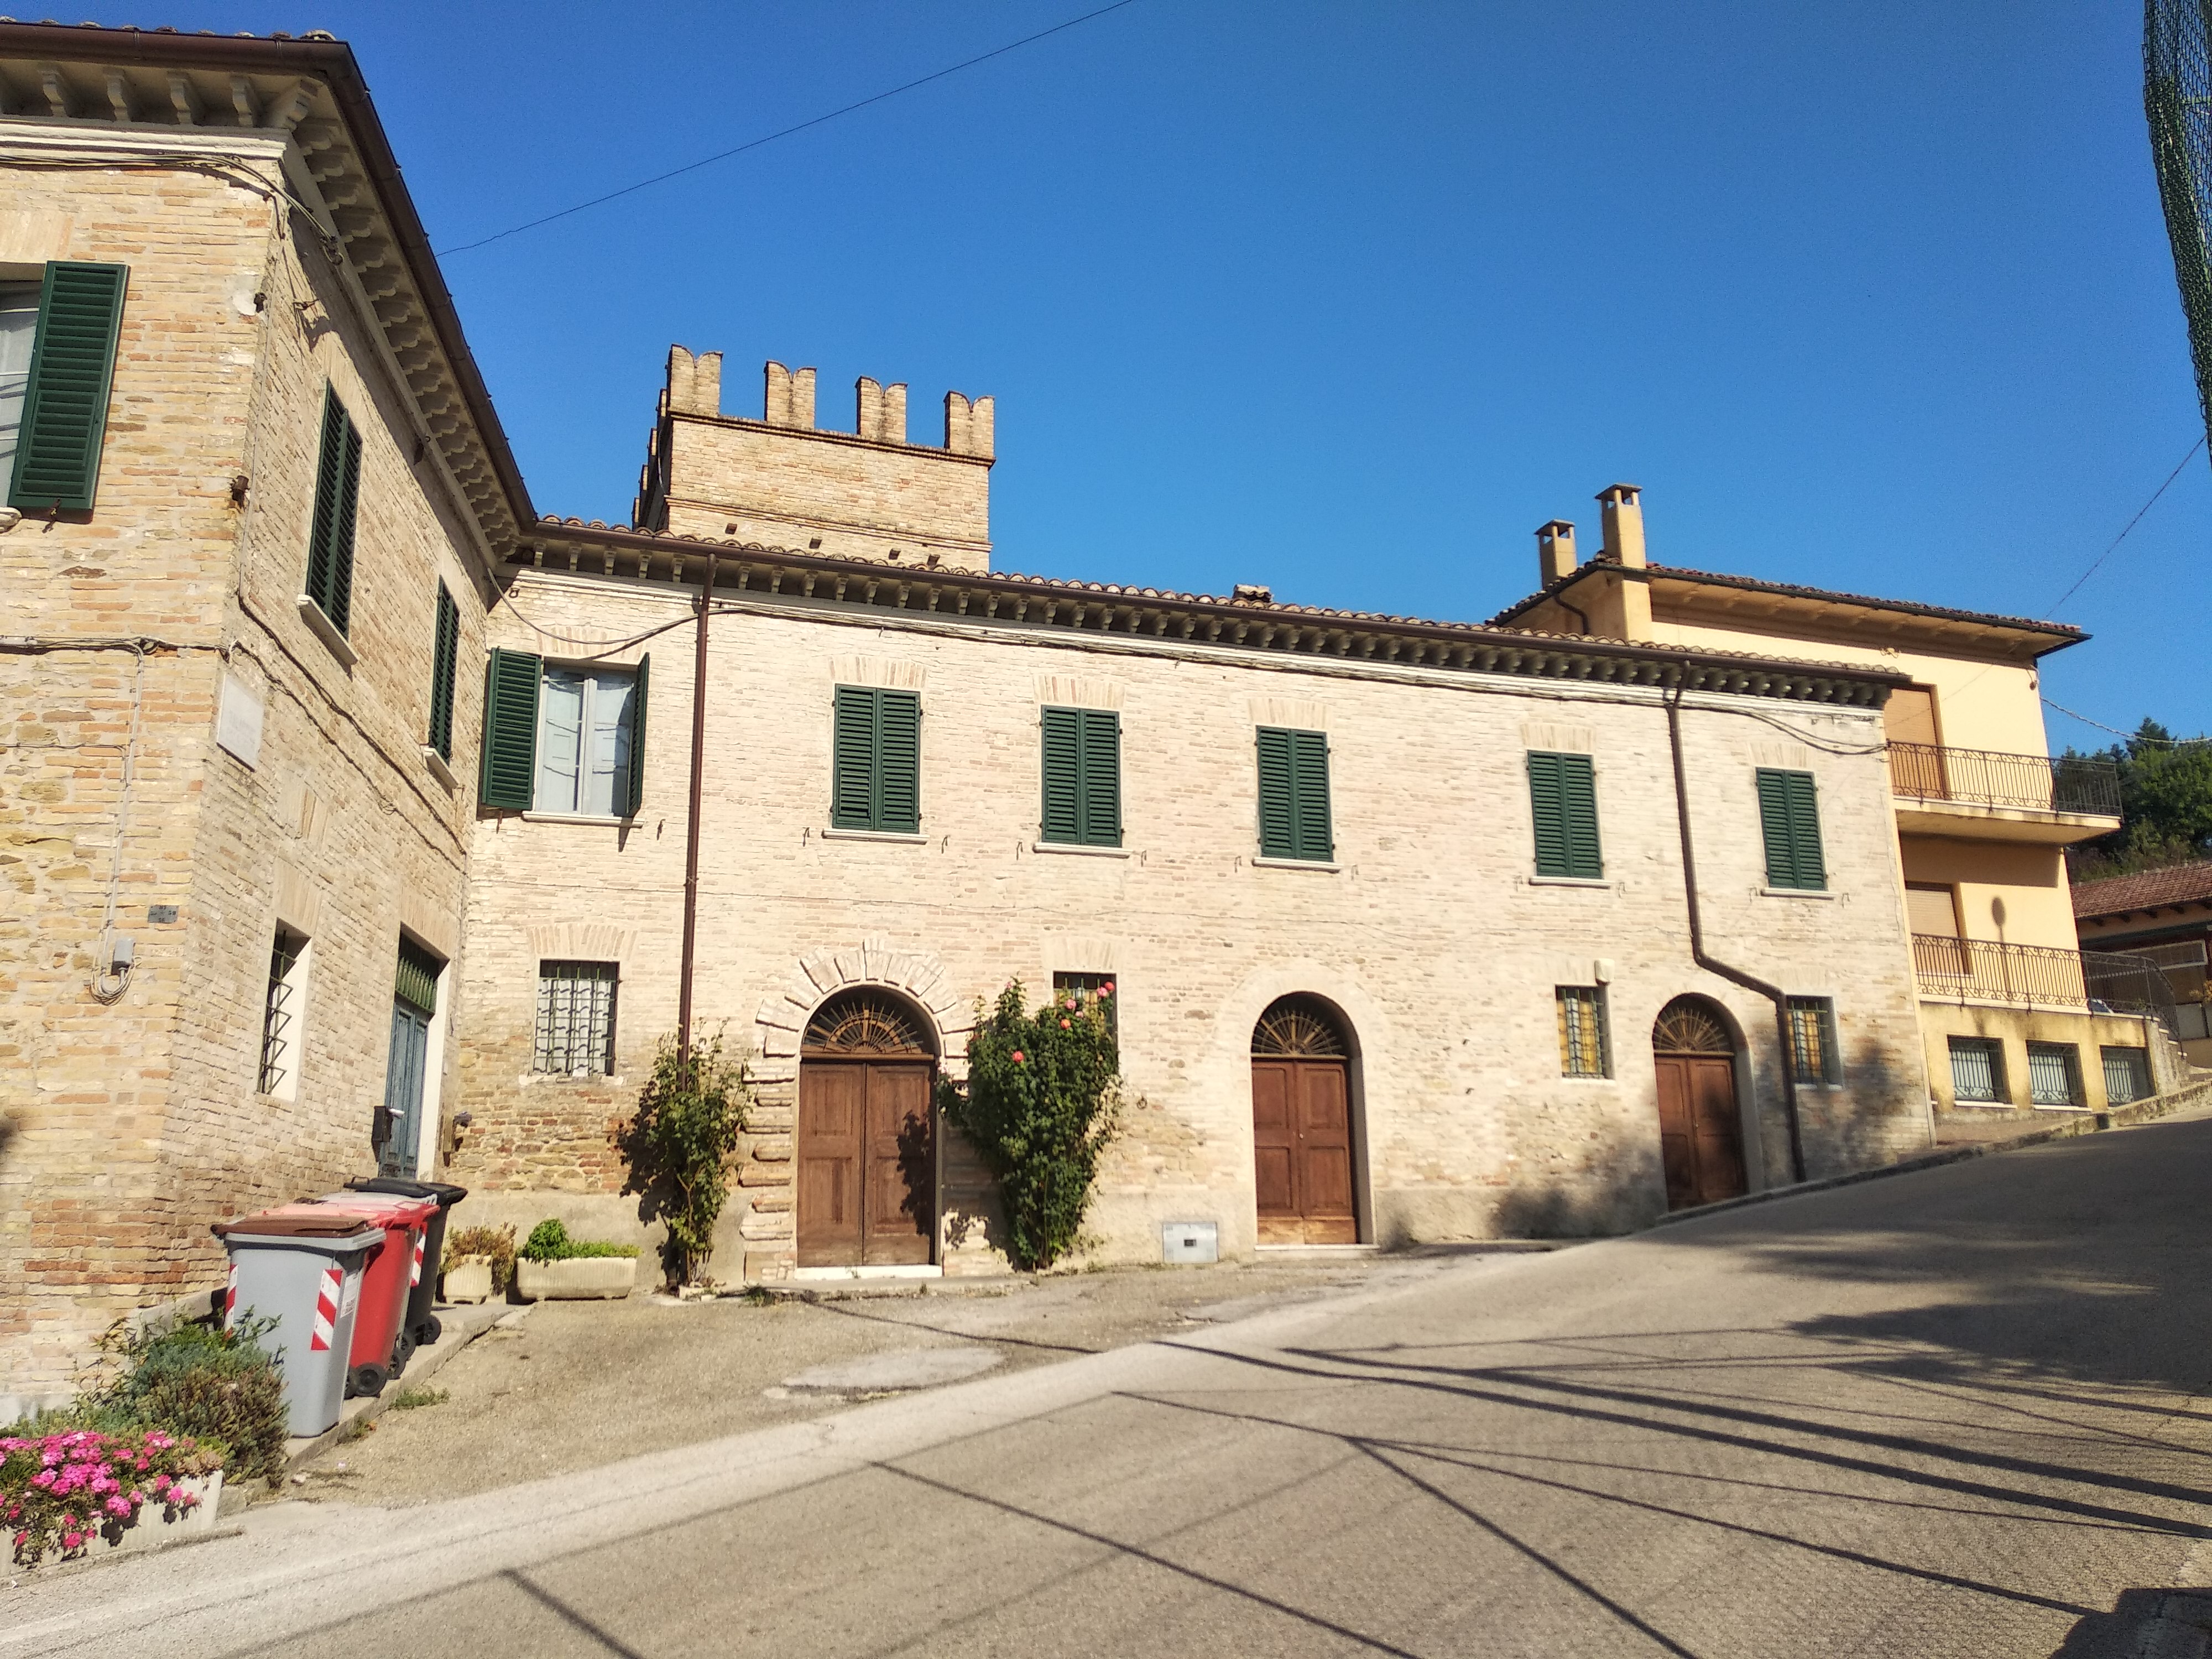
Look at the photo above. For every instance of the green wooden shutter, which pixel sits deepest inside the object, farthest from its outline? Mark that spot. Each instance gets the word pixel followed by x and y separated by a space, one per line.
pixel 1100 789
pixel 634 784
pixel 898 762
pixel 417 983
pixel 507 776
pixel 330 532
pixel 1278 820
pixel 65 404
pixel 1789 820
pixel 853 760
pixel 445 657
pixel 1062 815
pixel 1309 777
pixel 1547 811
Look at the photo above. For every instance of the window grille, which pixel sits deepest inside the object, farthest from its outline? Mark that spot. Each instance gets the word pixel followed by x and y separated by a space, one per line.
pixel 575 1018
pixel 1813 1040
pixel 1581 1032
pixel 1089 991
pixel 280 1015
pixel 2054 1074
pixel 2127 1075
pixel 1976 1071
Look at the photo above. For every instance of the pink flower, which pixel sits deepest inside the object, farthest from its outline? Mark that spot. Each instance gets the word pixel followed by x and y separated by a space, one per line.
pixel 72 1540
pixel 119 1506
pixel 1017 1056
pixel 1107 989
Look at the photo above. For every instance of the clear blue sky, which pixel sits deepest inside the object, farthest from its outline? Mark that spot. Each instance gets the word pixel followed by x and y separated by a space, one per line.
pixel 1347 299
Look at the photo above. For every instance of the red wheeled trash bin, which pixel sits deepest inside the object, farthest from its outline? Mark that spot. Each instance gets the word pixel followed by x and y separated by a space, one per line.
pixel 422 1323
pixel 381 1343
pixel 302 1266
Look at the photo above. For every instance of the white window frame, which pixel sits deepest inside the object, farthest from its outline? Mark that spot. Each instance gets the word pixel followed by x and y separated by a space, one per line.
pixel 17 299
pixel 283 1051
pixel 619 806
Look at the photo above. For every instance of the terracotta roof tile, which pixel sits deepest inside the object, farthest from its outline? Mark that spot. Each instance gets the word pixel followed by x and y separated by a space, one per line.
pixel 2116 895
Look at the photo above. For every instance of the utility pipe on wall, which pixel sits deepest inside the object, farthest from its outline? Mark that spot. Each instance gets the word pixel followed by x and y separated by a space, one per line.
pixel 691 823
pixel 1712 965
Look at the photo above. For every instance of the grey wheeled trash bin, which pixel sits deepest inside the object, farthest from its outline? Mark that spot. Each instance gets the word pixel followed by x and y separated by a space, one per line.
pixel 422 1323
pixel 300 1265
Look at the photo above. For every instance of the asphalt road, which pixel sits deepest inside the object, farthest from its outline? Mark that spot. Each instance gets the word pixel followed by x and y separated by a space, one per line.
pixel 1960 1412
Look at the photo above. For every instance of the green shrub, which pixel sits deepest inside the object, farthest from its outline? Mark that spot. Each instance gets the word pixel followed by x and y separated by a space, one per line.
pixel 549 1241
pixel 496 1243
pixel 1041 1104
pixel 212 1385
pixel 679 1144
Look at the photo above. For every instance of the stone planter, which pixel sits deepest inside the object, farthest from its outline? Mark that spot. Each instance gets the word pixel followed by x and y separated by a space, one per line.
pixel 468 1279
pixel 153 1528
pixel 579 1278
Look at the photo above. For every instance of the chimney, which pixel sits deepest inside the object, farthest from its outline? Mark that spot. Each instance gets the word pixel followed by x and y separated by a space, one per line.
pixel 1555 552
pixel 882 411
pixel 1622 506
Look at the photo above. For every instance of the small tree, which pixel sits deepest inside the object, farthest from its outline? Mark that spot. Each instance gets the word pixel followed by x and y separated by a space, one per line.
pixel 1039 1106
pixel 679 1144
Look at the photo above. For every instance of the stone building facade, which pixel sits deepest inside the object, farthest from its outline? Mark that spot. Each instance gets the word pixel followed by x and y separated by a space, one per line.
pixel 200 762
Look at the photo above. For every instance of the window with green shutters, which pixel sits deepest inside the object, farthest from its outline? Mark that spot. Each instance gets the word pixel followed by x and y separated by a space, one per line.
pixel 876 761
pixel 1789 818
pixel 1294 818
pixel 445 652
pixel 1082 795
pixel 1563 804
pixel 564 739
pixel 63 419
pixel 330 533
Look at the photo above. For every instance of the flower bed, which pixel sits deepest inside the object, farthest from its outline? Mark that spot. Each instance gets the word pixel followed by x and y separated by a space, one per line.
pixel 72 1492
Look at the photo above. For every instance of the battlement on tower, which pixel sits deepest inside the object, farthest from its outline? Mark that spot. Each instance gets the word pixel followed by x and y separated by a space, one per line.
pixel 780 480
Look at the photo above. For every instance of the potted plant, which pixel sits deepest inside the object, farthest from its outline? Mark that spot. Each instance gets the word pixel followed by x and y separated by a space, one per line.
pixel 554 1267
pixel 478 1264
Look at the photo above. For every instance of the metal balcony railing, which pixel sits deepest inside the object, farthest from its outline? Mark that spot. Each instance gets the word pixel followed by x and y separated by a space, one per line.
pixel 1983 777
pixel 2037 976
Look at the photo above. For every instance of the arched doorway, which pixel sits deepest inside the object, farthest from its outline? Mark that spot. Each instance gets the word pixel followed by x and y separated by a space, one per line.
pixel 1302 1124
pixel 868 1152
pixel 1700 1125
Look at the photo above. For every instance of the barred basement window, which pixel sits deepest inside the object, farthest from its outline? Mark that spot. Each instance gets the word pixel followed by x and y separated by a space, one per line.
pixel 2054 1074
pixel 1813 1040
pixel 281 1010
pixel 1978 1071
pixel 1581 1032
pixel 575 1018
pixel 2127 1075
pixel 1090 991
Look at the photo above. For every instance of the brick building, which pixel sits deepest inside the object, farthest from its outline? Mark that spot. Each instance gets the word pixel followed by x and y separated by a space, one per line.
pixel 345 802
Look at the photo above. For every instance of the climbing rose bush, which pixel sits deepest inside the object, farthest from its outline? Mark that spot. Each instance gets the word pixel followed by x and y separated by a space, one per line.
pixel 59 1491
pixel 1041 1104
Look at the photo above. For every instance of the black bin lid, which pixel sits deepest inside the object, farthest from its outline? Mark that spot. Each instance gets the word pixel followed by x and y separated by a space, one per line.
pixel 446 1195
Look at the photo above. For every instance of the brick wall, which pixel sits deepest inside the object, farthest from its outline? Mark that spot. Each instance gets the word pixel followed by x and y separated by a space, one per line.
pixel 128 1128
pixel 1429 936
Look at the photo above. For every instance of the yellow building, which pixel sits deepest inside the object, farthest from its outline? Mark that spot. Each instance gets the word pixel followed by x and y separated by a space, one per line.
pixel 2015 1016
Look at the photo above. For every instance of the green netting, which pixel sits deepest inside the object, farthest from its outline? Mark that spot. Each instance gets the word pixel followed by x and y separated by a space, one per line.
pixel 2178 99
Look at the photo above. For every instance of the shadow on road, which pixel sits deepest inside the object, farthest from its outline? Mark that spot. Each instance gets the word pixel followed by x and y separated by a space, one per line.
pixel 2144 1624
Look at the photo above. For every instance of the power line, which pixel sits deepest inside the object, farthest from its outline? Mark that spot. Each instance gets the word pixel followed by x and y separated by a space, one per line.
pixel 755 143
pixel 2148 743
pixel 2122 536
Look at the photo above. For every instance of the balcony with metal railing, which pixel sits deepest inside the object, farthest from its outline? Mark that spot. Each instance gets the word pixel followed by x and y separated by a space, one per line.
pixel 2037 976
pixel 1987 794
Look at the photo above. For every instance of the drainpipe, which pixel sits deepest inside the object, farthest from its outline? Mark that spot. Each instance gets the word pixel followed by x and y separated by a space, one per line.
pixel 1712 965
pixel 691 824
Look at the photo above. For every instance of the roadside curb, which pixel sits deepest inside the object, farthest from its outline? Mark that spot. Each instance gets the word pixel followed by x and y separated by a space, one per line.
pixel 2086 1123
pixel 463 1325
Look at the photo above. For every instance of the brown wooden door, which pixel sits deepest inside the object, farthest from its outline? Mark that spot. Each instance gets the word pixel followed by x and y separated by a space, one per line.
pixel 867 1168
pixel 1700 1132
pixel 1302 1152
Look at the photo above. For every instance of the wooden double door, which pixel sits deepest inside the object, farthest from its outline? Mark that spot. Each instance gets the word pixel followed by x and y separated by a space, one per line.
pixel 867 1163
pixel 1700 1129
pixel 1301 1151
